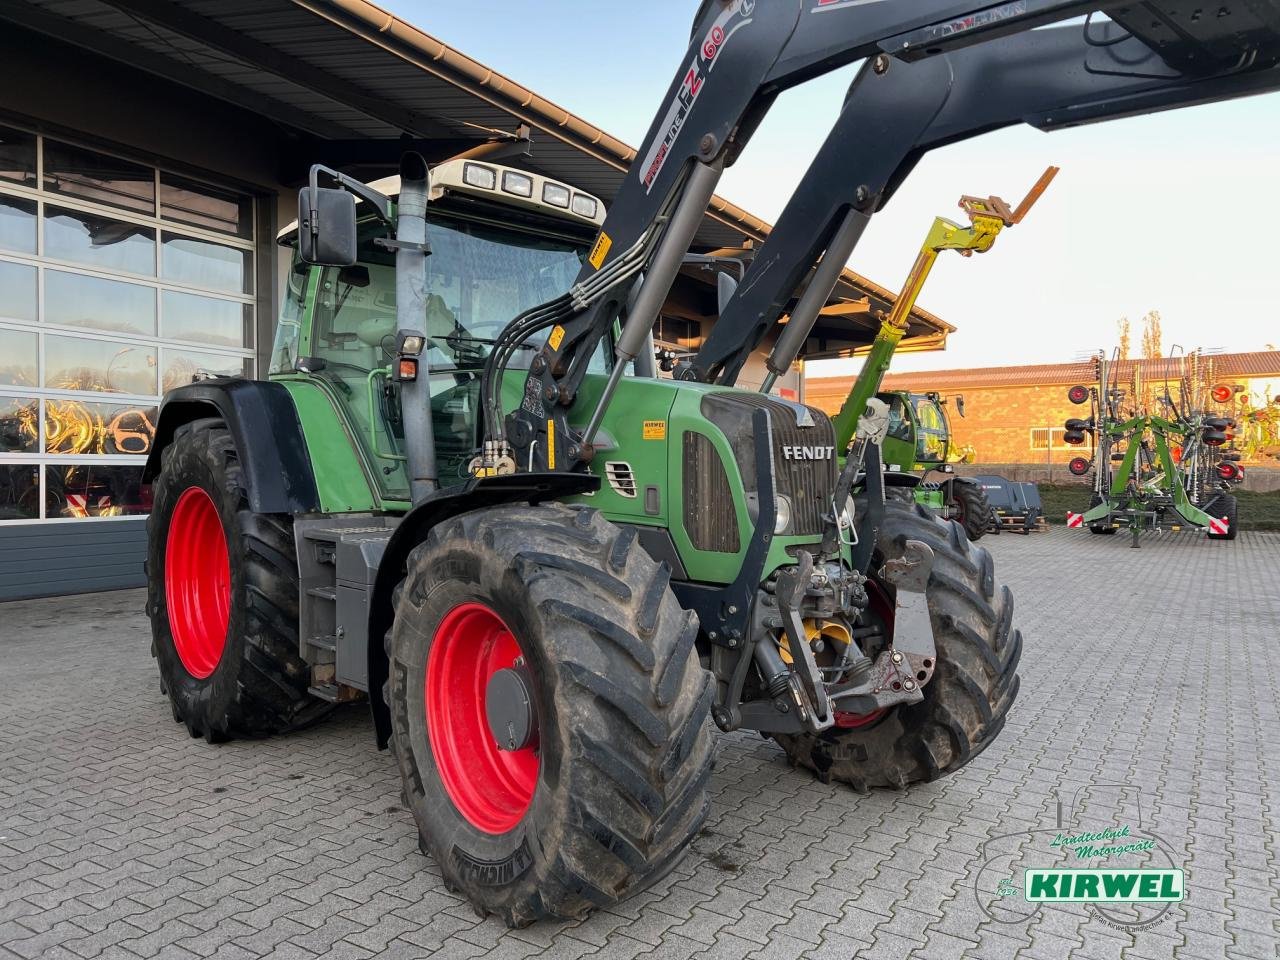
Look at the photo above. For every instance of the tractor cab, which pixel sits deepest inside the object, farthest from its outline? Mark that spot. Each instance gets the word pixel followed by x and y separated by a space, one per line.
pixel 502 240
pixel 919 432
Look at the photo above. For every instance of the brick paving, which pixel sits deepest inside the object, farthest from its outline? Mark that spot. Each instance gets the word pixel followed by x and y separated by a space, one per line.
pixel 1151 669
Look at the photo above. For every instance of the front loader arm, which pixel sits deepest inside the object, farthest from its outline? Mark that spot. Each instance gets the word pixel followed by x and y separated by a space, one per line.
pixel 979 69
pixel 894 113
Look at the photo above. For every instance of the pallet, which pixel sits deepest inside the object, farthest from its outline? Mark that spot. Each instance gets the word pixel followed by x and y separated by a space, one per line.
pixel 1017 523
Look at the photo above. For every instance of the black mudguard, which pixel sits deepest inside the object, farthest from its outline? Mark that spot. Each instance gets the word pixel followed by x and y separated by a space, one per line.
pixel 476 494
pixel 269 440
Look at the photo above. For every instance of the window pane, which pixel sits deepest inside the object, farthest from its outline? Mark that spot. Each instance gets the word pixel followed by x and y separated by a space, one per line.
pixel 17 292
pixel 82 301
pixel 94 490
pixel 18 353
pixel 72 426
pixel 17 156
pixel 19 424
pixel 222 322
pixel 82 173
pixel 19 491
pixel 99 241
pixel 18 224
pixel 204 264
pixel 205 206
pixel 74 364
pixel 181 367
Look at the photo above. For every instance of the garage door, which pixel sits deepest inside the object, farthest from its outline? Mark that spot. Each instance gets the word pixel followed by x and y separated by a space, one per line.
pixel 118 281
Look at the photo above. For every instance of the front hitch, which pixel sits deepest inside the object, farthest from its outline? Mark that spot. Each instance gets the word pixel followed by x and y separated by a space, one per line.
pixel 902 668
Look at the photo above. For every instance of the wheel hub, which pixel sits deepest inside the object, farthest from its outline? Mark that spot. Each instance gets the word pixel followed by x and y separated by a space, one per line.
pixel 508 706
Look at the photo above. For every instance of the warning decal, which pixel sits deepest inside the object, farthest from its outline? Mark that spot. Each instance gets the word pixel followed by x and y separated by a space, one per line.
pixel 600 250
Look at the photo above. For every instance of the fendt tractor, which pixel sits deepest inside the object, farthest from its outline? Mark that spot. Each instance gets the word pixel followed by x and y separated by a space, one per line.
pixel 544 566
pixel 1155 470
pixel 918 444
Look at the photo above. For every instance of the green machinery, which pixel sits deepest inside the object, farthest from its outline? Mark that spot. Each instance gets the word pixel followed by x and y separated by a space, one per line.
pixel 919 435
pixel 1153 470
pixel 918 444
pixel 465 497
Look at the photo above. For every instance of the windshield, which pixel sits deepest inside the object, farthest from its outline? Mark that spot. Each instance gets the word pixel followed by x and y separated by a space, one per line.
pixel 931 435
pixel 479 276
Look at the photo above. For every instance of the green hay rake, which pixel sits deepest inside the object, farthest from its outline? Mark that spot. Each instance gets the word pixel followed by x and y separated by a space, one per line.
pixel 1154 470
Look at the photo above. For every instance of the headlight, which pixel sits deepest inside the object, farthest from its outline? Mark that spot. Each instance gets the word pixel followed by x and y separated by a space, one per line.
pixel 584 206
pixel 783 522
pixel 555 195
pixel 473 174
pixel 517 183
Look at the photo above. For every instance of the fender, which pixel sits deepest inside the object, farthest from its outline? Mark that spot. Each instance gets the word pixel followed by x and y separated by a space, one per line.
pixel 477 494
pixel 268 435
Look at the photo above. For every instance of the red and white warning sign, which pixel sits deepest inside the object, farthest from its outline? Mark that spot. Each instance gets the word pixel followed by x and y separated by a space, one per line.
pixel 1219 525
pixel 1074 519
pixel 78 504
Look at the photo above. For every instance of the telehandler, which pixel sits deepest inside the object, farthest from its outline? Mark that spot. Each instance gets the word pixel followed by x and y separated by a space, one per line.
pixel 546 568
pixel 917 445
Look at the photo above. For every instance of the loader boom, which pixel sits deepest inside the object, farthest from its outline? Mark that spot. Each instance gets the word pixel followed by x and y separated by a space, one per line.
pixel 936 71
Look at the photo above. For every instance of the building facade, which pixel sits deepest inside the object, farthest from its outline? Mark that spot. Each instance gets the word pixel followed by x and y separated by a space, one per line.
pixel 1015 415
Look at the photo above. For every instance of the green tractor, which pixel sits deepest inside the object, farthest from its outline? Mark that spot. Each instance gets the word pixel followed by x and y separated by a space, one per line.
pixel 919 443
pixel 544 567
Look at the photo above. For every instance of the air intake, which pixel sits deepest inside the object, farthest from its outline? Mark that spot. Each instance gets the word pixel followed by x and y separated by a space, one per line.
pixel 621 478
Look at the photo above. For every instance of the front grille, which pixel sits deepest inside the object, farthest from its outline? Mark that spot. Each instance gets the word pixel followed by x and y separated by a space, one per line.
pixel 710 519
pixel 809 484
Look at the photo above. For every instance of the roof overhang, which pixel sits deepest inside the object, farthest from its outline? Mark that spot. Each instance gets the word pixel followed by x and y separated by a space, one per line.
pixel 351 86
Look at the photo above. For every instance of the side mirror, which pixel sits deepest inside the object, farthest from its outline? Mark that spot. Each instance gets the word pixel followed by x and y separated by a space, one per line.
pixel 327 226
pixel 960 405
pixel 725 285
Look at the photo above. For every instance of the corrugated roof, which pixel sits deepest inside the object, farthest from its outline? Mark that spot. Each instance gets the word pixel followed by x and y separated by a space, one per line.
pixel 347 70
pixel 1264 363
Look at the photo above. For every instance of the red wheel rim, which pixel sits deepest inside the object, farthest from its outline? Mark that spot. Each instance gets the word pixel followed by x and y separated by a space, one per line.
pixel 197 582
pixel 491 788
pixel 882 606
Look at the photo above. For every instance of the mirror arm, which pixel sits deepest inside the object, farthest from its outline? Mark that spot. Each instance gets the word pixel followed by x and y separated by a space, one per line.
pixel 378 201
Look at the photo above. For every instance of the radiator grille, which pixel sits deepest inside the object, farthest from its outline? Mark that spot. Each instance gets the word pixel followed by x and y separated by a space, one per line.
pixel 710 519
pixel 808 483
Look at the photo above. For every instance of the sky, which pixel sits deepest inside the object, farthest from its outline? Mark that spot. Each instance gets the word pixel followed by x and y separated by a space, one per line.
pixel 1175 212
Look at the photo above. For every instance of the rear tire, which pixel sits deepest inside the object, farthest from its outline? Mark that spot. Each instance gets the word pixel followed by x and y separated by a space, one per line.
pixel 974 508
pixel 973 686
pixel 1223 505
pixel 245 679
pixel 624 749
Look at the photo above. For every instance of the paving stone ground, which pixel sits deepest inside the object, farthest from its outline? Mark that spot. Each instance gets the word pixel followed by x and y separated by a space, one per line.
pixel 1149 698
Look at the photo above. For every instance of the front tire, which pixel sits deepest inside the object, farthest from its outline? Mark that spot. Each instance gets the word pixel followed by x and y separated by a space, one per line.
pixel 602 782
pixel 972 506
pixel 972 688
pixel 222 595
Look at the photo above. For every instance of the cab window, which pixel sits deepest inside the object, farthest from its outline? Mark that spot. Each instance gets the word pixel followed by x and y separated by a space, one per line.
pixel 479 276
